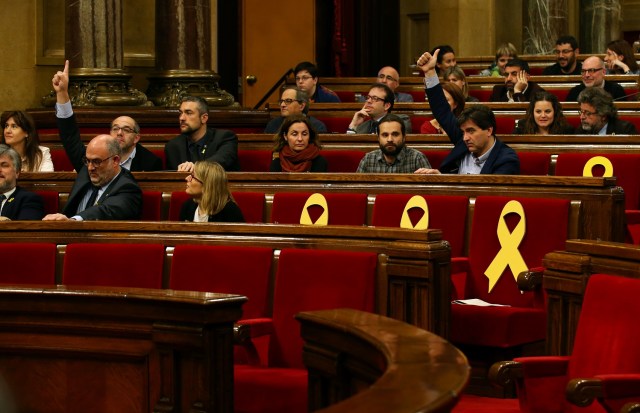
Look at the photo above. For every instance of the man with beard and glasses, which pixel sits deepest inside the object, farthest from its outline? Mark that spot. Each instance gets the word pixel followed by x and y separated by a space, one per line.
pixel 393 156
pixel 199 142
pixel 377 104
pixel 476 149
pixel 599 116
pixel 15 202
pixel 593 76
pixel 135 157
pixel 517 87
pixel 567 58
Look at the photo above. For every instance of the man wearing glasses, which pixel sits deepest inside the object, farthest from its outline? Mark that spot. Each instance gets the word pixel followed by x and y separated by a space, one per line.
pixel 306 74
pixel 378 103
pixel 599 116
pixel 567 55
pixel 517 87
pixel 135 157
pixel 593 75
pixel 390 77
pixel 103 190
pixel 293 101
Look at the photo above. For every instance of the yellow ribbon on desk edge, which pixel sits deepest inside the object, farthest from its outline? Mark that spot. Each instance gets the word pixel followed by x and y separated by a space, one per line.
pixel 315 199
pixel 598 160
pixel 416 201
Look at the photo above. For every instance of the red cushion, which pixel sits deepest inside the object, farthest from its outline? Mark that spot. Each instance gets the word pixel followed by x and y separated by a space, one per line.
pixel 343 161
pixel 117 265
pixel 435 157
pixel 28 263
pixel 175 204
pixel 225 269
pixel 254 160
pixel 505 125
pixel 534 163
pixel 160 154
pixel 447 213
pixel 269 390
pixel 151 205
pixel 51 201
pixel 334 124
pixel 60 160
pixel 252 205
pixel 344 209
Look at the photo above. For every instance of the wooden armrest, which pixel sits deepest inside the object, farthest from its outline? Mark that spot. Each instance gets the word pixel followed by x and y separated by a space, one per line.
pixel 582 392
pixel 503 373
pixel 530 280
pixel 241 333
pixel 632 407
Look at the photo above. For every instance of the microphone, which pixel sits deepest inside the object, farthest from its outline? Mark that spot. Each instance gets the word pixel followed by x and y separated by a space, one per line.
pixel 626 96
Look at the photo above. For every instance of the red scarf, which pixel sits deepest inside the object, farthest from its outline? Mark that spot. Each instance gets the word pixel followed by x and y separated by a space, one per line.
pixel 291 161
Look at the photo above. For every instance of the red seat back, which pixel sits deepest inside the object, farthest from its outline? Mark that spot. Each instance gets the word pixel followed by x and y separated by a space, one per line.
pixel 447 213
pixel 309 280
pixel 254 160
pixel 151 205
pixel 344 209
pixel 175 204
pixel 343 161
pixel 534 163
pixel 60 160
pixel 223 269
pixel 435 157
pixel 116 265
pixel 28 263
pixel 252 205
pixel 51 201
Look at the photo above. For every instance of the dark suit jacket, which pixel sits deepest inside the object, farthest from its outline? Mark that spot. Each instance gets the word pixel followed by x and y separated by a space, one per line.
pixel 502 160
pixel 75 149
pixel 221 147
pixel 121 200
pixel 230 213
pixel 614 89
pixel 614 127
pixel 499 93
pixel 23 205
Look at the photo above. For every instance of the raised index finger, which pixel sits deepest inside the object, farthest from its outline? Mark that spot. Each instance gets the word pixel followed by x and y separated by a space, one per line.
pixel 66 67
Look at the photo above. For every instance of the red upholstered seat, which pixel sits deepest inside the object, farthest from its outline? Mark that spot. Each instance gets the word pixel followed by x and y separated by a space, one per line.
pixel 334 124
pixel 254 160
pixel 524 319
pixel 505 124
pixel 151 205
pixel 51 201
pixel 118 265
pixel 343 161
pixel 435 157
pixel 252 205
pixel 344 209
pixel 447 213
pixel 534 163
pixel 160 154
pixel 60 160
pixel 605 348
pixel 28 263
pixel 175 204
pixel 306 280
pixel 225 269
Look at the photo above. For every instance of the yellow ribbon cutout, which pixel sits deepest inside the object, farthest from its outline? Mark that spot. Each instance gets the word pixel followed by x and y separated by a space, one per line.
pixel 598 160
pixel 415 202
pixel 509 243
pixel 315 199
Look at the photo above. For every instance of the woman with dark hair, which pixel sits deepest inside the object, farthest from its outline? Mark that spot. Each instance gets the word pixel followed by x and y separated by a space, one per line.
pixel 20 133
pixel 456 101
pixel 446 58
pixel 455 74
pixel 544 117
pixel 211 200
pixel 298 147
pixel 620 59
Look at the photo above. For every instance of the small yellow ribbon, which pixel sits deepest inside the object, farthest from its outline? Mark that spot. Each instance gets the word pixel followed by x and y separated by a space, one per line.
pixel 315 199
pixel 509 255
pixel 598 160
pixel 415 202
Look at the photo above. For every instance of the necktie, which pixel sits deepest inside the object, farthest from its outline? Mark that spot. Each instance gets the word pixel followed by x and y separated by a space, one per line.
pixel 92 198
pixel 2 198
pixel 374 127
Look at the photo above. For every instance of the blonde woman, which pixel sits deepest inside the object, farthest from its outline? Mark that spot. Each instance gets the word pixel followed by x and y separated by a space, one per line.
pixel 211 200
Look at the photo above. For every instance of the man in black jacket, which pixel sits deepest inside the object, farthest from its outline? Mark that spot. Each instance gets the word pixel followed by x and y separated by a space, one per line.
pixel 15 202
pixel 125 129
pixel 599 116
pixel 517 87
pixel 593 76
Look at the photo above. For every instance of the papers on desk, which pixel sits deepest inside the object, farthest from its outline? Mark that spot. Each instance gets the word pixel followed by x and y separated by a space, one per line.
pixel 478 302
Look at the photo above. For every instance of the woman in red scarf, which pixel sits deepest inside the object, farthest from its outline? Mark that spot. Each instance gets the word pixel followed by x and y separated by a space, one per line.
pixel 297 147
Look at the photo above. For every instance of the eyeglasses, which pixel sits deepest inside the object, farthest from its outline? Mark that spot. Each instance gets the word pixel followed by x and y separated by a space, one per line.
pixel 124 129
pixel 95 162
pixel 303 78
pixel 563 51
pixel 193 177
pixel 586 113
pixel 373 98
pixel 287 101
pixel 389 78
pixel 590 71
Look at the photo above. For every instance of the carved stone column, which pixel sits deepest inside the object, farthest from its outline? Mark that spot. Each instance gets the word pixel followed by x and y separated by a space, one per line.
pixel 183 55
pixel 93 45
pixel 545 21
pixel 600 23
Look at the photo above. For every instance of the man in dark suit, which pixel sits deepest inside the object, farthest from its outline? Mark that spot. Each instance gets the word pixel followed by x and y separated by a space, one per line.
pixel 125 129
pixel 517 87
pixel 15 202
pixel 199 142
pixel 599 116
pixel 378 103
pixel 593 75
pixel 103 190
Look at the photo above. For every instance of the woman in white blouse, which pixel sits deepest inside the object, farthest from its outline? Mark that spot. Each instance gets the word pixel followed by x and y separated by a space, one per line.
pixel 21 134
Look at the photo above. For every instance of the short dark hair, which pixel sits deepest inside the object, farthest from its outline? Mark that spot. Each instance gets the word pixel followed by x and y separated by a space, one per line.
pixel 203 107
pixel 389 98
pixel 480 115
pixel 308 66
pixel 601 100
pixel 519 63
pixel 567 40
pixel 393 118
pixel 444 49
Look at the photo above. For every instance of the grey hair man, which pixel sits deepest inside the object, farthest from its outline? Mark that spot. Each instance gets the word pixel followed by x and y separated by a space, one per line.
pixel 599 116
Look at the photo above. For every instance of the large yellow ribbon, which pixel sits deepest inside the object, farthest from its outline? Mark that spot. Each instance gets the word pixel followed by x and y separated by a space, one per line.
pixel 415 202
pixel 598 160
pixel 315 199
pixel 509 255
